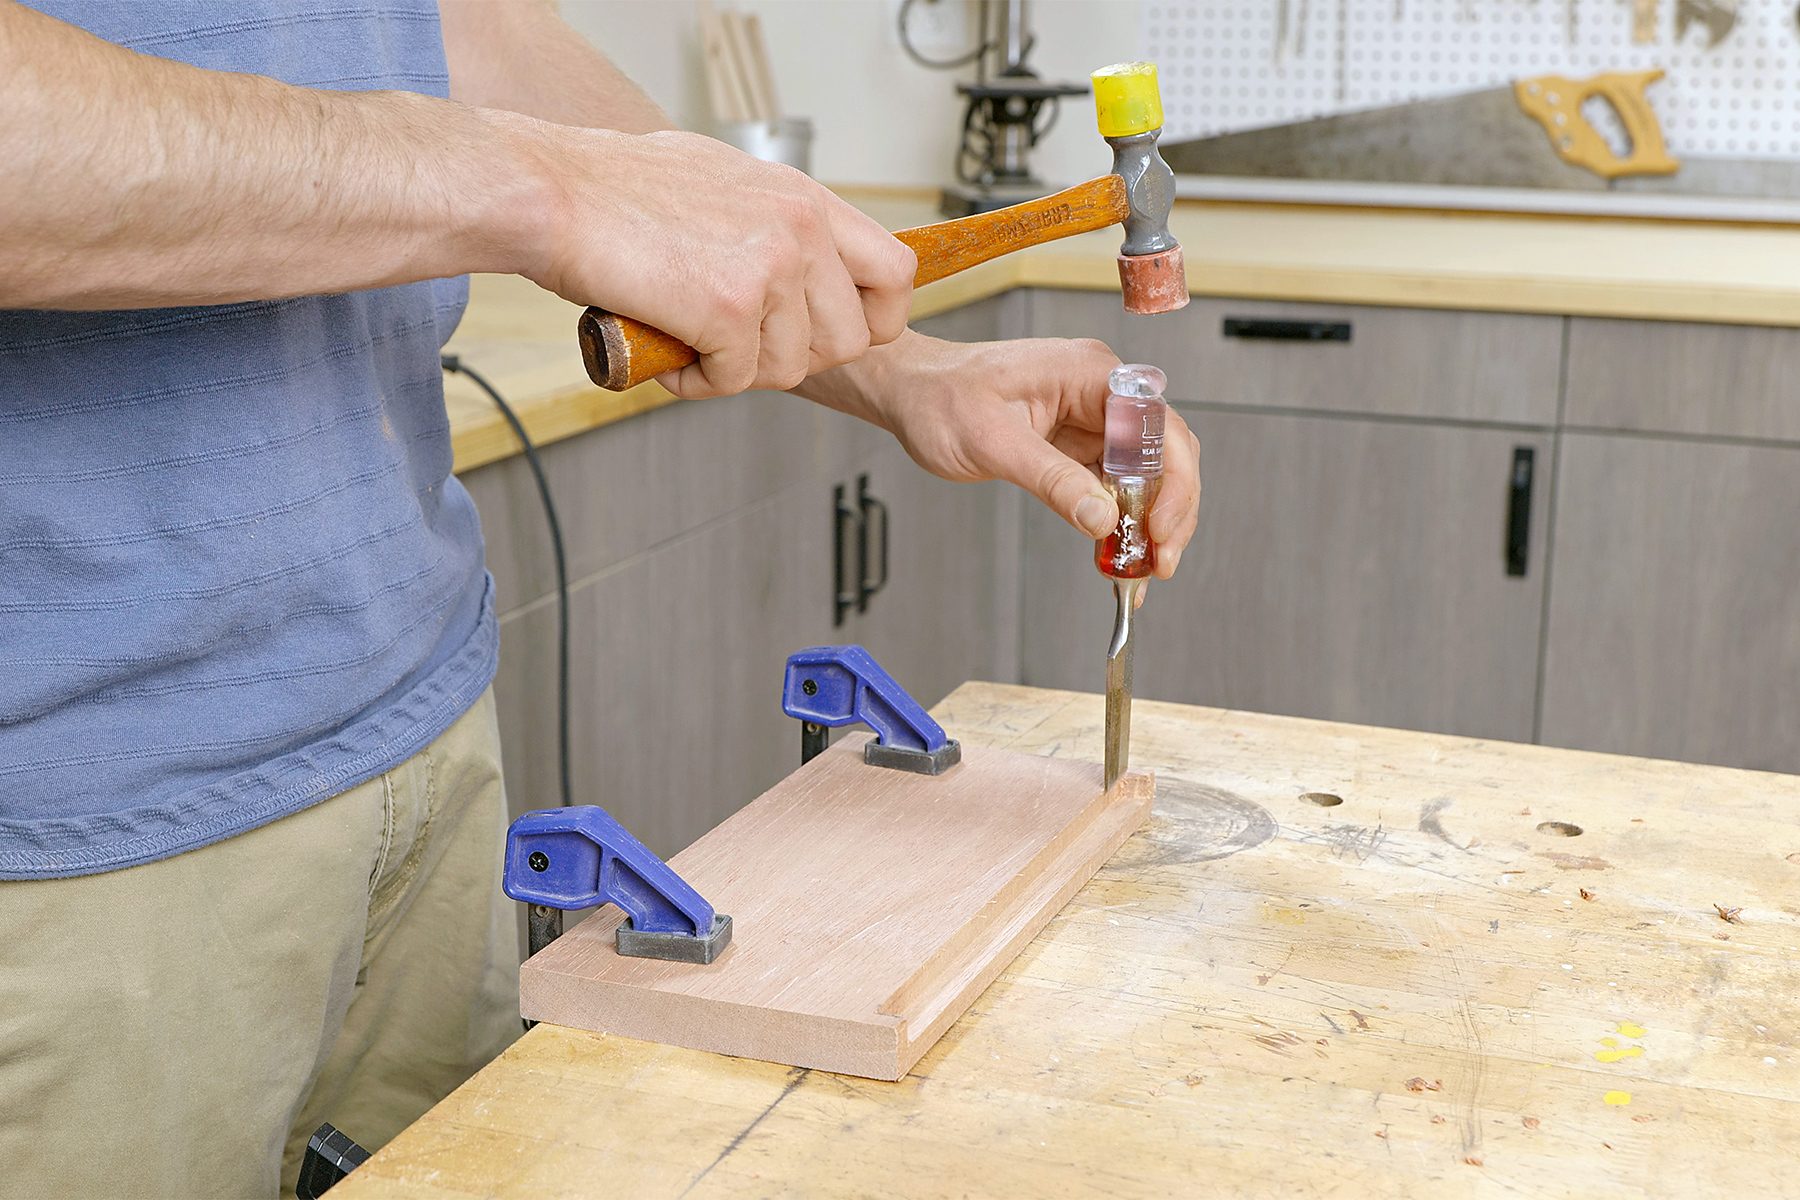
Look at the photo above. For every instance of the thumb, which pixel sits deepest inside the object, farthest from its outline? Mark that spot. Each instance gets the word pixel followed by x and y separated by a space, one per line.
pixel 1065 486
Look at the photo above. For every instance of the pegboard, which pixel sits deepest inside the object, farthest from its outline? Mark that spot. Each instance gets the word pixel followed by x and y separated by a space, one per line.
pixel 1238 64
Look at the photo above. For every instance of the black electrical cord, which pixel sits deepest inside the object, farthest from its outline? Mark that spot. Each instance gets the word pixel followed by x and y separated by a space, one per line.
pixel 454 364
pixel 938 64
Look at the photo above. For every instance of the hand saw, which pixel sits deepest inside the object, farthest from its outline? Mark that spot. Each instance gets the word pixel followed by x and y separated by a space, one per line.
pixel 1531 134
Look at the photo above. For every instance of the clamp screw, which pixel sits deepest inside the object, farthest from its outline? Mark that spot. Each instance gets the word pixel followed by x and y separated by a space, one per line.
pixel 538 861
pixel 810 687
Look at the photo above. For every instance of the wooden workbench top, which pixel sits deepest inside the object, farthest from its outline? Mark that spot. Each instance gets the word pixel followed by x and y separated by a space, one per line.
pixel 1435 987
pixel 524 338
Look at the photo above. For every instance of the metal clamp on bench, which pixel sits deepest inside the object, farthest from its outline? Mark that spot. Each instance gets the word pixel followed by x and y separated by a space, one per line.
pixel 829 686
pixel 579 857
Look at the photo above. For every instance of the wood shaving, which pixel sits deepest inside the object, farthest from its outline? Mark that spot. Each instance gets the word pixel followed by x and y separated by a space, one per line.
pixel 1729 914
pixel 1529 1122
pixel 1418 1083
pixel 1585 894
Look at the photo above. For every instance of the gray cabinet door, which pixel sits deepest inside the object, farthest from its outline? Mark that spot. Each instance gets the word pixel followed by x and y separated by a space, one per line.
pixel 1344 568
pixel 1674 617
pixel 677 658
pixel 948 612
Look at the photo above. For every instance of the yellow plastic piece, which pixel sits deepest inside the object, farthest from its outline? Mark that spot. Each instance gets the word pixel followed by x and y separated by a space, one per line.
pixel 1555 103
pixel 1127 100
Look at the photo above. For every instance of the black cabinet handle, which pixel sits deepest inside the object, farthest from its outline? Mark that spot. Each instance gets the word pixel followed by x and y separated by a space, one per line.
pixel 844 596
pixel 1277 329
pixel 1518 510
pixel 866 506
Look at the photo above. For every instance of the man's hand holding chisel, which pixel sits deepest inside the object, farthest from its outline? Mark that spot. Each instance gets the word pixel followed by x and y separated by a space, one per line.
pixel 1131 470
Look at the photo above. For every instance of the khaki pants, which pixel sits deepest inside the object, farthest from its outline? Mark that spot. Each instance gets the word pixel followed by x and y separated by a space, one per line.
pixel 180 1028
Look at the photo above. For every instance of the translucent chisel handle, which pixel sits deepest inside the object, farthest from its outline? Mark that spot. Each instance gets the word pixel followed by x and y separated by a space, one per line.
pixel 1131 468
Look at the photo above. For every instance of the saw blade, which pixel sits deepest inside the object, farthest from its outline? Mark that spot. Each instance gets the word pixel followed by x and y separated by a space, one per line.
pixel 1477 139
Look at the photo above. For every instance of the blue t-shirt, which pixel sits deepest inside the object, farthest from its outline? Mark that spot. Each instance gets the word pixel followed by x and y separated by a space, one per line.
pixel 236 573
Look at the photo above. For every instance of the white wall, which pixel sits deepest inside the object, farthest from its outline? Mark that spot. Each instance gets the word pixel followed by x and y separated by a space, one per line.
pixel 879 117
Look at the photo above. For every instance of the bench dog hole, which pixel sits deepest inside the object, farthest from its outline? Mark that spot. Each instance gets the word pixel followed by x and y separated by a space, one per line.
pixel 1322 799
pixel 1559 829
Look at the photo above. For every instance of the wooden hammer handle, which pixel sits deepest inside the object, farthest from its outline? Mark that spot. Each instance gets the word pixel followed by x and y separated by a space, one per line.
pixel 620 352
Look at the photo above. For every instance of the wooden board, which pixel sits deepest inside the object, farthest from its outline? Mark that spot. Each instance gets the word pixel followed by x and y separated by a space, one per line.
pixel 1405 994
pixel 869 907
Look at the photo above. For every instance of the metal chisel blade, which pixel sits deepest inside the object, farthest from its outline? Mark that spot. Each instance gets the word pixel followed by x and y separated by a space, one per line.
pixel 1118 680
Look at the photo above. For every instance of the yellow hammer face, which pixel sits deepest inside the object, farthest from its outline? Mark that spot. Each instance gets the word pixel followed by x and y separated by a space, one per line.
pixel 1127 100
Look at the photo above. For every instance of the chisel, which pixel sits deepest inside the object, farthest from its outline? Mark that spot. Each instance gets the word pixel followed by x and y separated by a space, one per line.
pixel 1131 471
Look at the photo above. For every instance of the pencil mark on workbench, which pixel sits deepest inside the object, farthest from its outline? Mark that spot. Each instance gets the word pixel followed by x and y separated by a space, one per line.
pixel 1474 1057
pixel 1574 862
pixel 1279 1041
pixel 1335 1027
pixel 796 1077
pixel 1263 980
pixel 1358 842
pixel 1318 987
pixel 1193 823
pixel 850 1085
pixel 1083 996
pixel 1429 823
pixel 1420 865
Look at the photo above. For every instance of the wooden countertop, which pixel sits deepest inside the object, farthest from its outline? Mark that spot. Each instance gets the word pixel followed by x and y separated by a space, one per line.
pixel 1421 991
pixel 524 338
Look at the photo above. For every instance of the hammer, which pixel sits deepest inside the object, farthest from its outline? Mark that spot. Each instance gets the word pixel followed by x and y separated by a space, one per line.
pixel 1138 193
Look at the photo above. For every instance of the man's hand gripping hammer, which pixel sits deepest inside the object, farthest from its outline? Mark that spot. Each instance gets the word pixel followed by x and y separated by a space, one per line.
pixel 1139 193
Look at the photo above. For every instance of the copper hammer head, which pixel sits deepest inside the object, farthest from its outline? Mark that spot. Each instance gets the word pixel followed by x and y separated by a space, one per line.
pixel 1128 105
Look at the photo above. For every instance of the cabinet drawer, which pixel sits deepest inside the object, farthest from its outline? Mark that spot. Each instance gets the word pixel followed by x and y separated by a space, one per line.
pixel 1677 377
pixel 1470 366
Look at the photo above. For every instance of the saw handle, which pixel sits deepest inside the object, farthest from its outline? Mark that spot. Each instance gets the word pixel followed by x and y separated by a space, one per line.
pixel 1555 103
pixel 620 352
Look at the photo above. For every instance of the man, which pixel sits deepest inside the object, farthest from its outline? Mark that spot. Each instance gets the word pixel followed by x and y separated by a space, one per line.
pixel 250 800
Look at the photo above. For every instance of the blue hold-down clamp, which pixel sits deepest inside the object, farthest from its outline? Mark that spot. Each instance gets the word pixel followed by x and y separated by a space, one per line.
pixel 828 686
pixel 579 857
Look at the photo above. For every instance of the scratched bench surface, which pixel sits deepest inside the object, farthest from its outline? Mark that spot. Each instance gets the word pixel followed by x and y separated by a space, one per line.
pixel 1338 961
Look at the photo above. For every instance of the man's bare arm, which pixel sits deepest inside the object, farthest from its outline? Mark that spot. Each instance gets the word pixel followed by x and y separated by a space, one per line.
pixel 129 181
pixel 520 55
